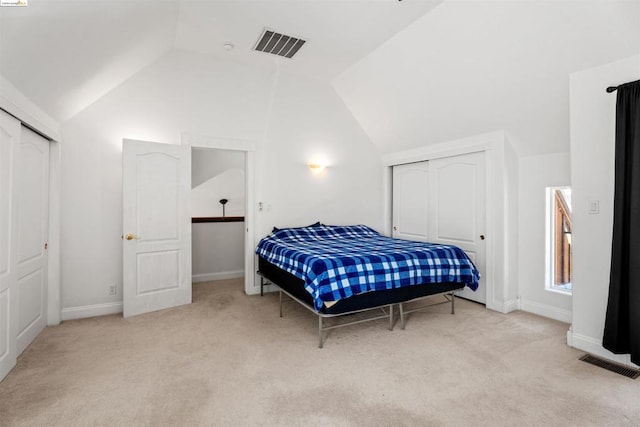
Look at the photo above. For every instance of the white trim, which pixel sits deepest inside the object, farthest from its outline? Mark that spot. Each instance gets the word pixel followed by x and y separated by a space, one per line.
pixel 594 346
pixel 455 147
pixel 508 306
pixel 207 277
pixel 71 313
pixel 545 310
pixel 54 288
pixel 218 143
pixel 251 282
pixel 19 106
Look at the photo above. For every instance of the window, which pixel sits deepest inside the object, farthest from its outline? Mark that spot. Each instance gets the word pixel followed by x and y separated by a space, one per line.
pixel 559 260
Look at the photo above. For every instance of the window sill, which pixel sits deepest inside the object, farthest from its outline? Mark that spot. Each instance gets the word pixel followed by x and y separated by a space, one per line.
pixel 568 292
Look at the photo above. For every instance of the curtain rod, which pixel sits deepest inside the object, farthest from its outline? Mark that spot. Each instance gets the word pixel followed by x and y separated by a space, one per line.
pixel 612 89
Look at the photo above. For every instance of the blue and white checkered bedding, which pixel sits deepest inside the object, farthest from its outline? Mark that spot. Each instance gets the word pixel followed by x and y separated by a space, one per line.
pixel 336 262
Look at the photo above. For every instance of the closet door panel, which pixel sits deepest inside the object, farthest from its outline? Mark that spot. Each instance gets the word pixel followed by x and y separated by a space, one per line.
pixel 457 209
pixel 33 219
pixel 9 143
pixel 410 201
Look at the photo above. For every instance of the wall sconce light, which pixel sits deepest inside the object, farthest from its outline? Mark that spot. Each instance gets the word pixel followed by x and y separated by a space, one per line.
pixel 316 167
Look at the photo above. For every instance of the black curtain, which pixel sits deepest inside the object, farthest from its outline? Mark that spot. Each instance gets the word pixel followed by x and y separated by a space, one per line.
pixel 622 324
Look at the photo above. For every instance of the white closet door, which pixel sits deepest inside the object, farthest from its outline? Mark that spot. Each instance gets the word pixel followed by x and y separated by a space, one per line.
pixel 410 201
pixel 9 145
pixel 457 209
pixel 157 226
pixel 33 228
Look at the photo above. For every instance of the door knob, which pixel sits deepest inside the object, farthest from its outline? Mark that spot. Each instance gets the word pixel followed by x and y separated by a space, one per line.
pixel 131 236
pixel 482 237
pixel 395 228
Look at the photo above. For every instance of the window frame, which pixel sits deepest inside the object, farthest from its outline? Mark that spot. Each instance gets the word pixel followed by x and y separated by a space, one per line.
pixel 550 238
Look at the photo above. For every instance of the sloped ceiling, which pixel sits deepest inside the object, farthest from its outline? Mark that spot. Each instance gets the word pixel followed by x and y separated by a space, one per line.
pixel 338 33
pixel 65 54
pixel 469 67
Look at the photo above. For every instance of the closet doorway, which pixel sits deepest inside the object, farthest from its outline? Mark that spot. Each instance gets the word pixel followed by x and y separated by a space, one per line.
pixel 443 201
pixel 218 213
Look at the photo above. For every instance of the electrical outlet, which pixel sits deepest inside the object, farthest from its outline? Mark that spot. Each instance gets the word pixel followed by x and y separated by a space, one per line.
pixel 112 289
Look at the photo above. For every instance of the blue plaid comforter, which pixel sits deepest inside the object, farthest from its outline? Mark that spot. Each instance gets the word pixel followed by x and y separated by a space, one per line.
pixel 336 262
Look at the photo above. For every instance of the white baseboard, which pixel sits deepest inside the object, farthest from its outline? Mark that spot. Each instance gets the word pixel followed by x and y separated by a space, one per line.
pixel 503 307
pixel 546 311
pixel 512 305
pixel 71 313
pixel 594 346
pixel 197 278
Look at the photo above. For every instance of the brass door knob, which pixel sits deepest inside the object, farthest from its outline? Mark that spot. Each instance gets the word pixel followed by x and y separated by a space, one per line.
pixel 131 236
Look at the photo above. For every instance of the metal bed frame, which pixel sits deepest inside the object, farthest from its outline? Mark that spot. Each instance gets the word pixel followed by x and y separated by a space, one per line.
pixel 448 295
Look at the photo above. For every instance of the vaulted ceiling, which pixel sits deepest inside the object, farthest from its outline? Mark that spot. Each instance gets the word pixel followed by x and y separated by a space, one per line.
pixel 470 67
pixel 65 54
pixel 412 72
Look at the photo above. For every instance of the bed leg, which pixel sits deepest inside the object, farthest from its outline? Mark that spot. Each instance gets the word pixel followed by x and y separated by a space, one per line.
pixel 391 317
pixel 261 286
pixel 320 343
pixel 280 303
pixel 453 307
pixel 401 306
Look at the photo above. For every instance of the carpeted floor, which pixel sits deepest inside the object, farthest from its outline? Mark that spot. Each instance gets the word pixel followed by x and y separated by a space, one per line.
pixel 228 359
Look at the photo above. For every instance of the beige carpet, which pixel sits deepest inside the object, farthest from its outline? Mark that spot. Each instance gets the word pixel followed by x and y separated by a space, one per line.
pixel 228 359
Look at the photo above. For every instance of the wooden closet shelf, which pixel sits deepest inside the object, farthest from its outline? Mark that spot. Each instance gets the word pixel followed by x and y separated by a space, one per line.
pixel 217 219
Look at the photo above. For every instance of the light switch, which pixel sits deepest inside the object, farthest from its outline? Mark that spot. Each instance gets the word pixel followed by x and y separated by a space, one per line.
pixel 594 207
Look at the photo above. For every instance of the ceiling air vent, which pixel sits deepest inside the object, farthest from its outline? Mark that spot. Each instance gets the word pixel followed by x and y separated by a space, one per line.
pixel 279 44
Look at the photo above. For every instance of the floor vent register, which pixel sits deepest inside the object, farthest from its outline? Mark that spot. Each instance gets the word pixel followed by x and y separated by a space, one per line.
pixel 610 366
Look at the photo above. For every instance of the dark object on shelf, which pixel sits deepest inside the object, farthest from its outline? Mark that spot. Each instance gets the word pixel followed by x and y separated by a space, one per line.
pixel 223 202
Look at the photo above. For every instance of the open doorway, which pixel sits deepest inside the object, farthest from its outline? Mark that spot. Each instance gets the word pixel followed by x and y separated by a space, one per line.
pixel 218 205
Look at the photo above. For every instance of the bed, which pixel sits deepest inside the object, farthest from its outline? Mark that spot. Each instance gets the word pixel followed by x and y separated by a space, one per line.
pixel 340 270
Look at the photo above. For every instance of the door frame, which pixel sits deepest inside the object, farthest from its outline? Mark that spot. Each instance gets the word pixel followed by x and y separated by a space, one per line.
pixel 500 273
pixel 249 148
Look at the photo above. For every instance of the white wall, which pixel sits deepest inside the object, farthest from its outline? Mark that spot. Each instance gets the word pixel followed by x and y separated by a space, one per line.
pixel 537 173
pixel 207 163
pixel 592 178
pixel 229 184
pixel 218 250
pixel 308 124
pixel 183 92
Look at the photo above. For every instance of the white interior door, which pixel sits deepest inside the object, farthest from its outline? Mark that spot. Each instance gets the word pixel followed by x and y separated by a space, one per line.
pixel 9 144
pixel 157 226
pixel 410 201
pixel 457 209
pixel 33 228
